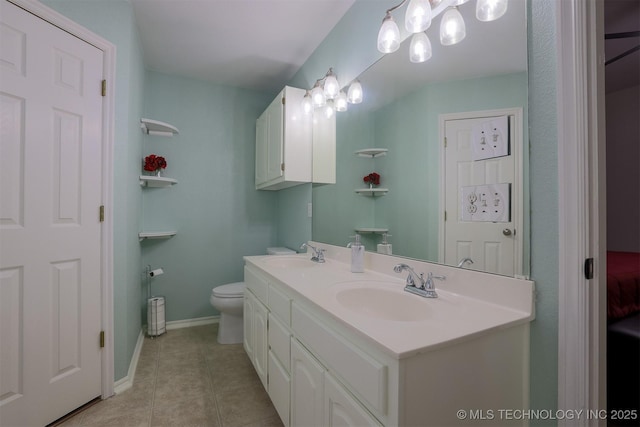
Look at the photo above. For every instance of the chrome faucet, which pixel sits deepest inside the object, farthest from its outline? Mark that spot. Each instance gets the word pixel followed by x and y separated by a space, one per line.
pixel 426 288
pixel 464 261
pixel 318 253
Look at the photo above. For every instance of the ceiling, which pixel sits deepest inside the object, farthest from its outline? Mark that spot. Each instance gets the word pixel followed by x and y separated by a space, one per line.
pixel 254 44
pixel 261 44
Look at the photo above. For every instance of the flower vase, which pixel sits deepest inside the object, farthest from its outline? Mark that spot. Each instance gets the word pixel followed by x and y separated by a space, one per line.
pixel 159 173
pixel 370 186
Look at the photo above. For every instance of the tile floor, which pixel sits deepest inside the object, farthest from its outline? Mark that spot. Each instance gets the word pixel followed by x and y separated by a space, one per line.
pixel 185 378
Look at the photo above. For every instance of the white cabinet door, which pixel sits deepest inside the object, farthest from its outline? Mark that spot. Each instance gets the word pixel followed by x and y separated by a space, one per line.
pixel 307 388
pixel 275 139
pixel 279 383
pixel 249 337
pixel 261 345
pixel 261 149
pixel 341 409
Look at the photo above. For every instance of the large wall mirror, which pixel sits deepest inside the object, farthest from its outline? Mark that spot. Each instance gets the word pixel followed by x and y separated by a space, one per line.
pixel 407 111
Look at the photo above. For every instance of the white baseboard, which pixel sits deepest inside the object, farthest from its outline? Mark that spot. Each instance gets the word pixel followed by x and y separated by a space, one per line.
pixel 127 382
pixel 188 323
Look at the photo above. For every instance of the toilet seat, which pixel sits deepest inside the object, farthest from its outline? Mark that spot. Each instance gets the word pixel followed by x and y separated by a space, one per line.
pixel 231 290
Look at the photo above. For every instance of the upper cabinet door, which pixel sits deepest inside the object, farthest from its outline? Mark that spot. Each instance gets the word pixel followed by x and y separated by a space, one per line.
pixel 275 138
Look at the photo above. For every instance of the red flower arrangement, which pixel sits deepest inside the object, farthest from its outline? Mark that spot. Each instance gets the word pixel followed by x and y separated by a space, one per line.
pixel 153 163
pixel 372 179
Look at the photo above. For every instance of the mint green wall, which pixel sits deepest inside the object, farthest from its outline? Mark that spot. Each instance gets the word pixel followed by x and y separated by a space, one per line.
pixel 350 48
pixel 114 21
pixel 409 128
pixel 543 167
pixel 215 208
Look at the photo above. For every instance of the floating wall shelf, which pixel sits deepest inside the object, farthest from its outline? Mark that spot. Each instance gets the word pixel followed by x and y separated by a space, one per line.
pixel 157 128
pixel 372 152
pixel 372 191
pixel 156 181
pixel 156 235
pixel 374 230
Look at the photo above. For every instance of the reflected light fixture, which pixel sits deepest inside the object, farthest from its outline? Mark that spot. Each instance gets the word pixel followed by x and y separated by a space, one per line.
pixel 317 95
pixel 307 104
pixel 490 10
pixel 418 18
pixel 327 95
pixel 389 35
pixel 452 28
pixel 341 101
pixel 354 95
pixel 331 85
pixel 420 49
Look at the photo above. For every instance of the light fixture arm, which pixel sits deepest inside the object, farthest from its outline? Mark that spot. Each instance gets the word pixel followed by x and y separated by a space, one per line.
pixel 396 6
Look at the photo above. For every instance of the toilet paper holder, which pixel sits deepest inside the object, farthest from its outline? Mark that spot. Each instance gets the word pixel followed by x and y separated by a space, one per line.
pixel 155 305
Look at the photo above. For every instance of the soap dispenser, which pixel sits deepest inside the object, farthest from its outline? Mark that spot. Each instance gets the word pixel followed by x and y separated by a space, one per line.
pixel 385 246
pixel 357 255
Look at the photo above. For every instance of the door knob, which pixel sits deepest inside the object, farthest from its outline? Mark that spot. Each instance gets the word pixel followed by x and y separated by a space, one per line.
pixel 506 232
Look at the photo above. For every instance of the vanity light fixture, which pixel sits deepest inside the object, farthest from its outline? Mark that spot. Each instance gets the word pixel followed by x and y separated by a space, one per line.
pixel 307 103
pixel 452 28
pixel 354 95
pixel 419 16
pixel 326 94
pixel 490 10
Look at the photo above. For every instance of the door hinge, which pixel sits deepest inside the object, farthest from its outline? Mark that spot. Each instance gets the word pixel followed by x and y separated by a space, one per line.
pixel 282 167
pixel 283 100
pixel 588 268
pixel 101 213
pixel 101 339
pixel 445 142
pixel 104 88
pixel 445 215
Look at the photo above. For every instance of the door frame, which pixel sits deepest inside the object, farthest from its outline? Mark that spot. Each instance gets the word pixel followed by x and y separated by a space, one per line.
pixel 517 150
pixel 108 125
pixel 581 207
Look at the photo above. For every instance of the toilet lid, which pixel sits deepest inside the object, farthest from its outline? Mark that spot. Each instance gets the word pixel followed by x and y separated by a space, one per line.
pixel 231 290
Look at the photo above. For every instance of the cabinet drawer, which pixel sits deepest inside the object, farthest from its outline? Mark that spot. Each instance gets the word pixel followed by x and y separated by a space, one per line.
pixel 256 284
pixel 280 341
pixel 280 304
pixel 365 376
pixel 279 381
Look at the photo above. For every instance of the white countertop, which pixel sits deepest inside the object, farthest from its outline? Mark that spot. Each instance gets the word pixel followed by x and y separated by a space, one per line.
pixel 469 303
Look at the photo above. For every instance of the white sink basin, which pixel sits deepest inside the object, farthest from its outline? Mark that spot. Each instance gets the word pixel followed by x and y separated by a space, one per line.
pixel 292 261
pixel 382 300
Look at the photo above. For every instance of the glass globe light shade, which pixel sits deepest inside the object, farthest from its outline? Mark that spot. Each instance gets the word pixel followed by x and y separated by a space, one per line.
pixel 420 48
pixel 307 105
pixel 490 10
pixel 354 95
pixel 329 109
pixel 317 96
pixel 418 16
pixel 452 28
pixel 341 101
pixel 331 86
pixel 389 35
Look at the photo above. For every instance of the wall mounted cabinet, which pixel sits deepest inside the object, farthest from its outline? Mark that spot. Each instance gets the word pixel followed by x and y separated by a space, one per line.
pixel 293 148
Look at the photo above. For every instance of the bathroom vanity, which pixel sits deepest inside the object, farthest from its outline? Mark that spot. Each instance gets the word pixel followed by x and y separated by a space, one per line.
pixel 334 347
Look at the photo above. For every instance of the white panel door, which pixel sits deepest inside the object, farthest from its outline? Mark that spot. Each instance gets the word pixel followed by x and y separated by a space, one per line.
pixel 491 245
pixel 50 193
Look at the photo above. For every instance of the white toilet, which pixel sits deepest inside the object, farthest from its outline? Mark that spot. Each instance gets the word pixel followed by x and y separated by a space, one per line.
pixel 229 301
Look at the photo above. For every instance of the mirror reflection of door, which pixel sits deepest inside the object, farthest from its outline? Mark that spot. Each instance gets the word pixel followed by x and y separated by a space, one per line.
pixel 481 192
